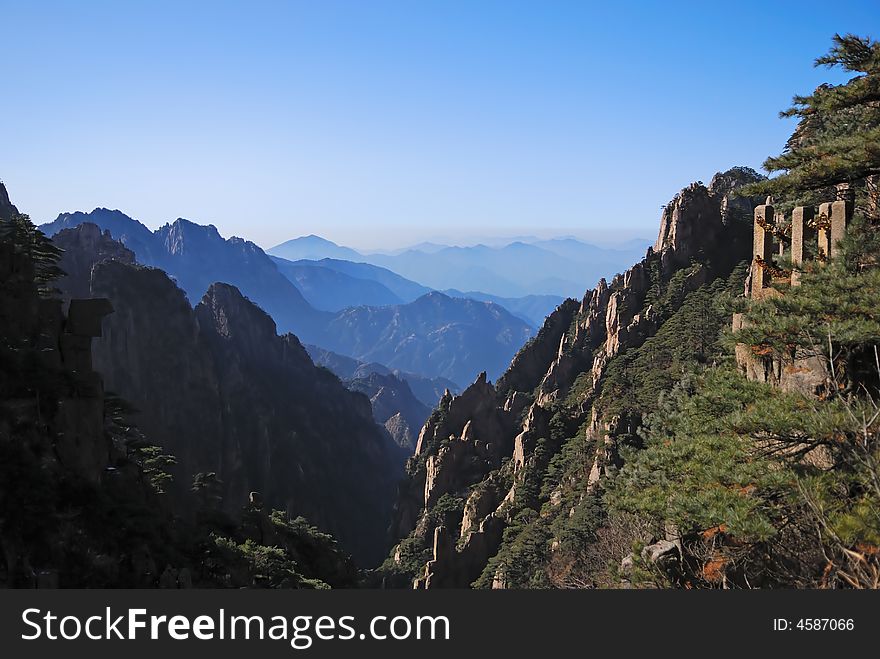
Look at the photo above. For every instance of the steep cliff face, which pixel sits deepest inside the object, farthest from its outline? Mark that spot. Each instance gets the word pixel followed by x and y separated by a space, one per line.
pixel 302 439
pixel 218 388
pixel 60 458
pixel 153 355
pixel 7 210
pixel 493 458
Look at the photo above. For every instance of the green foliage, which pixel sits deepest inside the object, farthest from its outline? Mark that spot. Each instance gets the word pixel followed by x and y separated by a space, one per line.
pixel 525 548
pixel 406 562
pixel 837 138
pixel 447 511
pixel 833 314
pixel 696 470
pixel 777 487
pixel 294 554
pixel 26 238
pixel 690 338
pixel 270 567
pixel 155 464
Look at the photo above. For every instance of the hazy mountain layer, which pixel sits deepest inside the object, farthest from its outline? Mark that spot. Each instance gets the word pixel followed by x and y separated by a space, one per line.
pixel 548 267
pixel 330 290
pixel 403 288
pixel 333 284
pixel 424 338
pixel 313 248
pixel 531 308
pixel 427 390
pixel 435 335
pixel 196 256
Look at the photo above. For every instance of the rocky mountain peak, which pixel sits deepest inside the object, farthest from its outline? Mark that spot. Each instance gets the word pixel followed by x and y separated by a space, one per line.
pixel 235 318
pixel 693 220
pixel 7 210
pixel 178 235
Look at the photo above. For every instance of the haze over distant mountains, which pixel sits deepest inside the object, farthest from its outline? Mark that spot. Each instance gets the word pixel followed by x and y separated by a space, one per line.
pixel 197 255
pixel 333 285
pixel 358 310
pixel 539 267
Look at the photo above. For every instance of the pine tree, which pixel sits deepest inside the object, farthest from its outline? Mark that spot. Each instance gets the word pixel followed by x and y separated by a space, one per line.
pixel 837 139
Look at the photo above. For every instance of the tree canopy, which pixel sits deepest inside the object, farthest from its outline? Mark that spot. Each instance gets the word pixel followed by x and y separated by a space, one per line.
pixel 837 138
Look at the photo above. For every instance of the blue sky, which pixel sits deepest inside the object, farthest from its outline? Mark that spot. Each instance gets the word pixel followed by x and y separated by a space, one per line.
pixel 385 123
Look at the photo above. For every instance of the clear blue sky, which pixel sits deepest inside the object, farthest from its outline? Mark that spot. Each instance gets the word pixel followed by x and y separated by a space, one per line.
pixel 382 123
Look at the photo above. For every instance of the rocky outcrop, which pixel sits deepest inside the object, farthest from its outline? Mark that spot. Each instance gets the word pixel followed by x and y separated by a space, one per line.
pixel 694 223
pixel 530 363
pixel 553 388
pixel 796 372
pixel 53 422
pixel 7 210
pixel 462 441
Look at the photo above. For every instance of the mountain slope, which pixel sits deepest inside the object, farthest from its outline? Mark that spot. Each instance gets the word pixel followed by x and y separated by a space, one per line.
pixel 328 289
pixel 431 340
pixel 436 336
pixel 83 490
pixel 7 210
pixel 363 284
pixel 505 501
pixel 403 288
pixel 531 308
pixel 427 390
pixel 394 406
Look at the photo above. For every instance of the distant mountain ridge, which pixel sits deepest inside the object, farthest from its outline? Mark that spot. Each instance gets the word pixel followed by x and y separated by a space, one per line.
pixel 434 334
pixel 328 289
pixel 313 248
pixel 543 267
pixel 427 390
pixel 334 284
pixel 531 308
pixel 197 256
pixel 402 287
